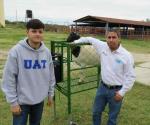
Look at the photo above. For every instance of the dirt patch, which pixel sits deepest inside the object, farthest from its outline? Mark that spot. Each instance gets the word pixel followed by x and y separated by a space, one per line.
pixel 138 57
pixel 3 54
pixel 143 69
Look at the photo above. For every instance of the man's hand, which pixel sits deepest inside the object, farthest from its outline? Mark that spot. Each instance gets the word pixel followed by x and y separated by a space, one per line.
pixel 50 101
pixel 16 110
pixel 118 97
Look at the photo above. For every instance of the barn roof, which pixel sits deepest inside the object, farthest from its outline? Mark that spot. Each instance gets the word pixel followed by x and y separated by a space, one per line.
pixel 113 22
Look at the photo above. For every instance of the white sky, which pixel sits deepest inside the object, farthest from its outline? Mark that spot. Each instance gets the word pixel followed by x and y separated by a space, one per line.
pixel 68 10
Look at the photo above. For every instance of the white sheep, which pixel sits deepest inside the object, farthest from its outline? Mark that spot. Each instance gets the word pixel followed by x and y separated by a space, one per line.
pixel 83 55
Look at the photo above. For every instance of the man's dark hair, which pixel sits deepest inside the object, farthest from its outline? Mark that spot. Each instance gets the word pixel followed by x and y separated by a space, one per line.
pixel 115 31
pixel 35 24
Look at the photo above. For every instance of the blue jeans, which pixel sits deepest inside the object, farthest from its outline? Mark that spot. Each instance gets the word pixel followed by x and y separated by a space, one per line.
pixel 103 97
pixel 33 111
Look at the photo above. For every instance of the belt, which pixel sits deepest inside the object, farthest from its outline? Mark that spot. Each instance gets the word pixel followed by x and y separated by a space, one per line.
pixel 111 87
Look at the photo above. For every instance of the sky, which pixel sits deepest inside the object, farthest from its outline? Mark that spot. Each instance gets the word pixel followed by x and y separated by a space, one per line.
pixel 65 11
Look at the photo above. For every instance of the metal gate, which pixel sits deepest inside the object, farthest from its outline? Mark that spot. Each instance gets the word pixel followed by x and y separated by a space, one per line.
pixel 67 72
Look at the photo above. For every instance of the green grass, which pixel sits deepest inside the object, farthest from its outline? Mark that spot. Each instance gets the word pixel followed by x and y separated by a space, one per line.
pixel 135 109
pixel 11 35
pixel 137 46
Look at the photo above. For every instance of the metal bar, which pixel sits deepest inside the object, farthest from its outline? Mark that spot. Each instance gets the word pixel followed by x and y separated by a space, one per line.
pixel 62 90
pixel 68 79
pixel 83 83
pixel 84 90
pixel 52 47
pixel 82 68
pixel 62 68
pixel 98 75
pixel 85 77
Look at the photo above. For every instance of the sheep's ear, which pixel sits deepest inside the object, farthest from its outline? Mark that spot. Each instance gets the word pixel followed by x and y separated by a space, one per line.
pixel 71 32
pixel 73 36
pixel 69 38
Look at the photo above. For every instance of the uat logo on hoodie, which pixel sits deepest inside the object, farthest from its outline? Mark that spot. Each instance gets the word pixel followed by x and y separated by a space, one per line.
pixel 35 64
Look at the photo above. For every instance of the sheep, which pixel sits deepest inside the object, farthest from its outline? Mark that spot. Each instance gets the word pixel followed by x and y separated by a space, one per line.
pixel 83 55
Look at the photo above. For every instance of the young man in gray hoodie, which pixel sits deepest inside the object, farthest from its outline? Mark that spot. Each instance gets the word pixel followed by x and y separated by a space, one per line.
pixel 29 76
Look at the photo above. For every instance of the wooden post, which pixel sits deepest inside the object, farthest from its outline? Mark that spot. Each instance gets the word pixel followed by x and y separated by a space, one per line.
pixel 126 32
pixel 106 28
pixel 142 32
pixel 76 28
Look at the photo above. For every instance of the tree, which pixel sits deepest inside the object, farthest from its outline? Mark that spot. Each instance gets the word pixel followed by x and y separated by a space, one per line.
pixel 147 19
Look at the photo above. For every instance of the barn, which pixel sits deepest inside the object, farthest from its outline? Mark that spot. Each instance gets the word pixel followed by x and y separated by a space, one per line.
pixel 129 29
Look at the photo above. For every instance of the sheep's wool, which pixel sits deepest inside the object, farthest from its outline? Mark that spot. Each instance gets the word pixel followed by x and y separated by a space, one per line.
pixel 87 56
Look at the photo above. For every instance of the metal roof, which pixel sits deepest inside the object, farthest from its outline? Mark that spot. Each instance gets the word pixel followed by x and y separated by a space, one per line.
pixel 101 21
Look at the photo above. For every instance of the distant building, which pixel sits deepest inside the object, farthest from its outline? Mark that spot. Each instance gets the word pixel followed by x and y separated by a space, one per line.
pixel 129 29
pixel 2 18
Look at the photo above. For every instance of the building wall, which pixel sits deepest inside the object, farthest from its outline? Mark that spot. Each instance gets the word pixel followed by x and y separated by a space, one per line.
pixel 2 18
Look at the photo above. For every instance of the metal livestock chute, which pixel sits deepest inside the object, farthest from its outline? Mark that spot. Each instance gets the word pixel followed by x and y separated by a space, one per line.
pixel 67 72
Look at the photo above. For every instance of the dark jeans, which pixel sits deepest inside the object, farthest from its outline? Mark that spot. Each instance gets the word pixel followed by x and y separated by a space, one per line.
pixel 33 111
pixel 103 97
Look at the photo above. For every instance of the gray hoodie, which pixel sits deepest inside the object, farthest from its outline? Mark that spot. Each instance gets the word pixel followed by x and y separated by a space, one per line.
pixel 28 74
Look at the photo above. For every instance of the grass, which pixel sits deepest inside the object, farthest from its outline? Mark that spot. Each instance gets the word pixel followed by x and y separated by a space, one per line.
pixel 135 109
pixel 137 46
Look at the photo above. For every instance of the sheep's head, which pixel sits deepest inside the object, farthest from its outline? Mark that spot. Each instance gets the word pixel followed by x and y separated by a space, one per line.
pixel 73 36
pixel 74 49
